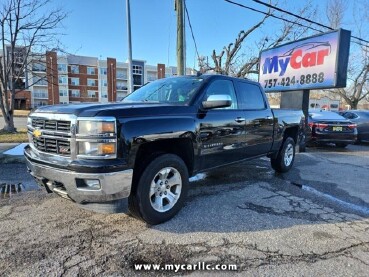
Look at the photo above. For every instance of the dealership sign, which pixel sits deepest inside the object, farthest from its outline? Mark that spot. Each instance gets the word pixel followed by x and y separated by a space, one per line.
pixel 313 63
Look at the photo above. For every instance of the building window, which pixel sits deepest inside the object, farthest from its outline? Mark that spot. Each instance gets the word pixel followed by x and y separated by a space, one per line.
pixel 104 83
pixel 74 93
pixel 91 71
pixel 103 71
pixel 91 93
pixel 63 80
pixel 151 76
pixel 74 81
pixel 122 74
pixel 104 95
pixel 91 82
pixel 40 93
pixel 74 69
pixel 62 67
pixel 137 80
pixel 63 92
pixel 40 103
pixel 39 67
pixel 39 81
pixel 137 69
pixel 121 86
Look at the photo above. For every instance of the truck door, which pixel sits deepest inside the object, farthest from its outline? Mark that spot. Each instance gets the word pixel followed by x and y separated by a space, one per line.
pixel 222 130
pixel 259 118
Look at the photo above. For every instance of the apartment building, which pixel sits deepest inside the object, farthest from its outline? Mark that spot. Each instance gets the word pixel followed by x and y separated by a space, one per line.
pixel 58 79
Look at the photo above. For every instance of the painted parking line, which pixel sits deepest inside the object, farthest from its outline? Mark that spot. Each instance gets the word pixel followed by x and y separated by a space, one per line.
pixel 345 204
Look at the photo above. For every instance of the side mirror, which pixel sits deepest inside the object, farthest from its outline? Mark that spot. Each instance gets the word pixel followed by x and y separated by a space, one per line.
pixel 217 101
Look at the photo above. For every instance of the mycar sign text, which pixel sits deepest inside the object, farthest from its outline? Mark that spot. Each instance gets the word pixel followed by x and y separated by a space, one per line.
pixel 313 63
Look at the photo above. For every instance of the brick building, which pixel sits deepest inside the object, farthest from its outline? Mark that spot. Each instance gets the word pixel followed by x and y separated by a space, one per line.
pixel 75 79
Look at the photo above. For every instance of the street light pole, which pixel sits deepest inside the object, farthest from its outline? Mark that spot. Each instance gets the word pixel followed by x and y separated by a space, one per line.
pixel 130 74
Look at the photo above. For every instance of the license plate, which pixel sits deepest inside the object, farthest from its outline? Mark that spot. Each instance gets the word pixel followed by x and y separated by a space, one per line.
pixel 337 128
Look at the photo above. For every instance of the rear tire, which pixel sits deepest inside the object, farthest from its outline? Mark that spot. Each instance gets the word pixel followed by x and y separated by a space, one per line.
pixel 285 158
pixel 341 145
pixel 161 190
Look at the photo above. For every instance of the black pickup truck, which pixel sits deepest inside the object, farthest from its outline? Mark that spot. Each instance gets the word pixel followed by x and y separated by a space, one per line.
pixel 147 146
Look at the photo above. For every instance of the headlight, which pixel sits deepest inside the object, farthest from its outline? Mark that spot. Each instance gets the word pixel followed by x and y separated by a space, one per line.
pixel 97 138
pixel 99 149
pixel 88 127
pixel 29 121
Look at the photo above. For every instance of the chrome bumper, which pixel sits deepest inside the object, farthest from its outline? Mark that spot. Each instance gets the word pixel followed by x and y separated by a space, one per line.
pixel 115 185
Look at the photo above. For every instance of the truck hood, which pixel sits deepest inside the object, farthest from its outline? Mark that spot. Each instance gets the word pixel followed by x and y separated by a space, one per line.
pixel 112 109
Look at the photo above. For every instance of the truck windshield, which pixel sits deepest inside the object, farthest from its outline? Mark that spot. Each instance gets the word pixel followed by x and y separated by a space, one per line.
pixel 176 90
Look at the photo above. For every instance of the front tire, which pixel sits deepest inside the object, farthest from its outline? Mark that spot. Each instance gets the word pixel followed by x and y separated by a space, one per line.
pixel 285 158
pixel 161 190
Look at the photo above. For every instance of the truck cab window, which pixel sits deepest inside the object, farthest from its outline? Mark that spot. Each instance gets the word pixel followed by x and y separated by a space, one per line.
pixel 223 87
pixel 251 96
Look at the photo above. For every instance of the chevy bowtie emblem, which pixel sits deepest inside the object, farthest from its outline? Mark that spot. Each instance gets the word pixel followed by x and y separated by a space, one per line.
pixel 37 133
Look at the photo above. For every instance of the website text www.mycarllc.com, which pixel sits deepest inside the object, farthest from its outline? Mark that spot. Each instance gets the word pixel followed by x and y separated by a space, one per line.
pixel 200 266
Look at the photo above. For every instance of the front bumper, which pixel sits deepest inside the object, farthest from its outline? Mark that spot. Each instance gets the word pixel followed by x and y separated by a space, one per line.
pixel 114 185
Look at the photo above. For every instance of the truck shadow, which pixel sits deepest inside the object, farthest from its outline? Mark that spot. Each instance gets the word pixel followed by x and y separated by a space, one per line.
pixel 251 197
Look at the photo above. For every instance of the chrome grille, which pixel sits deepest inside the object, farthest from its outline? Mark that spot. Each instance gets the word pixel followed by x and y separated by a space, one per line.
pixel 52 145
pixel 55 136
pixel 54 125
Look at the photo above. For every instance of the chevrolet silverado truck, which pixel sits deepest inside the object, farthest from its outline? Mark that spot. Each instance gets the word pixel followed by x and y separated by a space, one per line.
pixel 146 147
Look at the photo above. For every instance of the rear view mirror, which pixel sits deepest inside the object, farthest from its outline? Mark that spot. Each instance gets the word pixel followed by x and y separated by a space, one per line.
pixel 217 101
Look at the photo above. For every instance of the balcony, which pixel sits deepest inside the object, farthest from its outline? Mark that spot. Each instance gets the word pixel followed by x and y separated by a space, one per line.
pixel 121 88
pixel 122 76
pixel 39 69
pixel 151 78
pixel 40 83
pixel 40 95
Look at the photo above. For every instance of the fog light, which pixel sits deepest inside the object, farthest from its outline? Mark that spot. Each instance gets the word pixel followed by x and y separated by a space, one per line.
pixel 93 184
pixel 88 184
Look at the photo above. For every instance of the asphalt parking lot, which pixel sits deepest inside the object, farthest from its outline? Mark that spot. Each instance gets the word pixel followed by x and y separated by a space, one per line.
pixel 312 221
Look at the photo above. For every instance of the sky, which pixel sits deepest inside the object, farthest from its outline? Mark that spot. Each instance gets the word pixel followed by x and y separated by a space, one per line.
pixel 98 28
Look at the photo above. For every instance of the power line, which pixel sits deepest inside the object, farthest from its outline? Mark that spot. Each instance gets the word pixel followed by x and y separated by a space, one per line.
pixel 303 18
pixel 290 13
pixel 293 22
pixel 272 15
pixel 193 36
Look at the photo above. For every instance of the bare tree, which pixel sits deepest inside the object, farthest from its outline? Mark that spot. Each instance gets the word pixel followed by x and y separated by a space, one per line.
pixel 358 88
pixel 358 71
pixel 27 27
pixel 335 11
pixel 231 61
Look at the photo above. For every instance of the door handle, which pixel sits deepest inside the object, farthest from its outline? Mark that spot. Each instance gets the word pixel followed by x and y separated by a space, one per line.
pixel 240 119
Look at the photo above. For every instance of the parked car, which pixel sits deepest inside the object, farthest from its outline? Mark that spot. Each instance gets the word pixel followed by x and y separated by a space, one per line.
pixel 361 118
pixel 147 146
pixel 330 127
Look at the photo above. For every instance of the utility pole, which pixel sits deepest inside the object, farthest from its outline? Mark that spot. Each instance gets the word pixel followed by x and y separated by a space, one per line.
pixel 180 37
pixel 52 80
pixel 130 73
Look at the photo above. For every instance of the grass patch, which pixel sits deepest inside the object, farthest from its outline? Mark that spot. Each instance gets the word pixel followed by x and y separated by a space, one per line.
pixel 19 113
pixel 20 136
